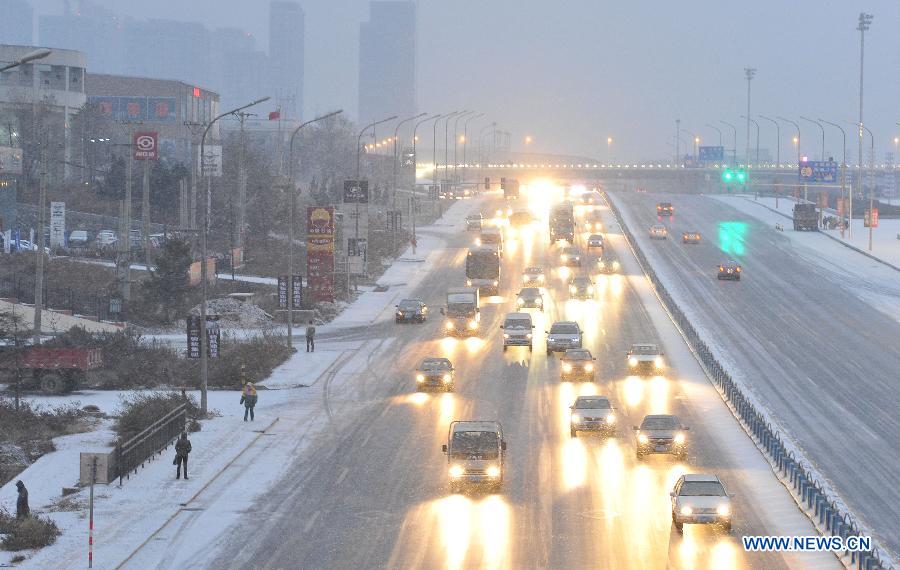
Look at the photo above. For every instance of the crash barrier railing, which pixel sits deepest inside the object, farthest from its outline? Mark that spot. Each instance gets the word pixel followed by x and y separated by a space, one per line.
pixel 807 488
pixel 141 448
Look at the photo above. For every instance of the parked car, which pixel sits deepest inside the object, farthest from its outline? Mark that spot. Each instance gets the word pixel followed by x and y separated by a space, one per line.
pixel 79 238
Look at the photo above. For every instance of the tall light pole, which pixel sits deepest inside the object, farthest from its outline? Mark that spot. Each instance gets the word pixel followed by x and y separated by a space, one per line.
pixel 456 140
pixel 749 72
pixel 396 133
pixel 818 124
pixel 446 118
pixel 718 130
pixel 777 139
pixel 437 119
pixel 204 236
pixel 359 140
pixel 465 141
pixel 865 20
pixel 797 126
pixel 415 161
pixel 734 147
pixel 677 141
pixel 30 56
pixel 872 185
pixel 609 141
pixel 293 190
pixel 481 157
pixel 843 178
pixel 757 140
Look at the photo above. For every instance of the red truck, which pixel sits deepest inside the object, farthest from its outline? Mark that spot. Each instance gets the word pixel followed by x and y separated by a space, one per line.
pixel 53 370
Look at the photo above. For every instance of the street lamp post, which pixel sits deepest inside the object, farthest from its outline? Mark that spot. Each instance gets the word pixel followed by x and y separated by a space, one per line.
pixel 865 20
pixel 446 118
pixel 757 140
pixel 465 141
pixel 777 139
pixel 823 133
pixel 734 147
pixel 292 191
pixel 872 185
pixel 843 178
pixel 415 160
pixel 396 133
pixel 796 126
pixel 30 56
pixel 456 140
pixel 718 130
pixel 609 141
pixel 481 157
pixel 359 140
pixel 204 340
pixel 749 72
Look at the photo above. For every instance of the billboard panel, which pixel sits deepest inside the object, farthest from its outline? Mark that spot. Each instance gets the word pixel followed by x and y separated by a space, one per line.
pixel 818 171
pixel 135 108
pixel 57 224
pixel 356 191
pixel 10 160
pixel 145 145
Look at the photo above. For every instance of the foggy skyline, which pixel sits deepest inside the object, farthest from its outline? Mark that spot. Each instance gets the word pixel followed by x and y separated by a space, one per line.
pixel 572 76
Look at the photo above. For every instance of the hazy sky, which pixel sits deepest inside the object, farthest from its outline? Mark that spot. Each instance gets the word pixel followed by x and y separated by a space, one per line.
pixel 572 72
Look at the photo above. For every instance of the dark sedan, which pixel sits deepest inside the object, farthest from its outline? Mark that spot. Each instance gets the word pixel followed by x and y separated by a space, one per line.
pixel 411 311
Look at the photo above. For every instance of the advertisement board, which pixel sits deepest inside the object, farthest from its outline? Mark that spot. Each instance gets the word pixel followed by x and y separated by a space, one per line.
pixel 213 334
pixel 136 108
pixel 711 153
pixel 10 160
pixel 320 221
pixel 818 171
pixel 320 229
pixel 211 163
pixel 57 224
pixel 145 145
pixel 356 191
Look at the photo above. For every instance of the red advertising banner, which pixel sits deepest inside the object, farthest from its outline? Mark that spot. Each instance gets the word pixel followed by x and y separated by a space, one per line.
pixel 870 218
pixel 146 145
pixel 822 199
pixel 840 207
pixel 320 253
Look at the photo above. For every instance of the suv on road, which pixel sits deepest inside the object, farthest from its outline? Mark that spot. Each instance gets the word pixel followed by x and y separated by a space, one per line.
pixel 661 433
pixel 581 288
pixel 690 237
pixel 562 336
pixel 570 257
pixel 729 271
pixel 608 264
pixel 518 330
pixel 592 413
pixel 595 241
pixel 658 231
pixel 645 358
pixel 435 372
pixel 530 298
pixel 533 277
pixel 700 499
pixel 473 222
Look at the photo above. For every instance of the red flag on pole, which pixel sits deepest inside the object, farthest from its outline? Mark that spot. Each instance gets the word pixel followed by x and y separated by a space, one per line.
pixel 274 115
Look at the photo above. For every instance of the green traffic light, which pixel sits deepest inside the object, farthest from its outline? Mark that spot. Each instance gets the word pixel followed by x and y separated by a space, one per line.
pixel 741 176
pixel 727 176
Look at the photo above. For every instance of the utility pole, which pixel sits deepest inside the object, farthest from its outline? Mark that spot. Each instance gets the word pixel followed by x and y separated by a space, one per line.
pixel 843 168
pixel 39 239
pixel 145 213
pixel 777 139
pixel 749 72
pixel 677 141
pixel 447 144
pixel 242 182
pixel 865 20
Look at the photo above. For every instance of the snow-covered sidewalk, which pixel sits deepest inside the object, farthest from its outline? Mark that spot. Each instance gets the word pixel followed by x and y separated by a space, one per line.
pixel 225 450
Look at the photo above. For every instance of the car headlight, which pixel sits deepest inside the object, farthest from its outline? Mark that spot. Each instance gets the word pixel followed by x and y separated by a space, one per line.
pixel 473 325
pixel 588 367
pixel 493 471
pixel 679 438
pixel 723 510
pixel 399 313
pixel 526 278
pixel 446 378
pixel 564 257
pixel 448 325
pixel 658 361
pixel 477 241
pixel 529 335
pixel 456 471
pixel 632 361
pixel 601 264
pixel 496 282
pixel 539 301
pixel 567 367
pixel 505 335
pixel 541 278
pixel 687 511
pixel 520 301
pixel 468 282
pixel 572 289
pixel 615 264
pixel 590 290
pixel 610 418
pixel 642 438
pixel 576 418
pixel 420 377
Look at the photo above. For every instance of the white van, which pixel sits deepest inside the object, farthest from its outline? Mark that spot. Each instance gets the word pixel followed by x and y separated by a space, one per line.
pixel 518 330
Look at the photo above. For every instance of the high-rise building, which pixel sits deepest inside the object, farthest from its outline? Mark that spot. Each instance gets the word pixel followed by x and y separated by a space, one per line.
pixel 168 49
pixel 92 29
pixel 286 35
pixel 16 18
pixel 387 61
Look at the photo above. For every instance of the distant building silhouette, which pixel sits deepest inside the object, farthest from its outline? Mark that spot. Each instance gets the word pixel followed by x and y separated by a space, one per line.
pixel 387 61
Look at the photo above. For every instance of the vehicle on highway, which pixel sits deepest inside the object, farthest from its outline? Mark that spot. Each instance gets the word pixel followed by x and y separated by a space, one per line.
pixel 590 198
pixel 806 218
pixel 530 298
pixel 700 499
pixel 518 330
pixel 520 218
pixel 533 276
pixel 593 222
pixel 79 238
pixel 483 269
pixel 463 312
pixel 577 364
pixel 595 242
pixel 608 264
pixel 581 287
pixel 645 358
pixel 562 336
pixel 562 223
pixel 434 372
pixel 474 222
pixel 475 453
pixel 665 209
pixel 491 237
pixel 26 245
pixel 106 239
pixel 690 237
pixel 456 193
pixel 411 311
pixel 661 433
pixel 658 232
pixel 729 271
pixel 510 188
pixel 570 257
pixel 592 413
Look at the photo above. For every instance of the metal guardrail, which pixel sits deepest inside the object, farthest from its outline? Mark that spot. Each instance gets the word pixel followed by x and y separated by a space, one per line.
pixel 141 448
pixel 835 517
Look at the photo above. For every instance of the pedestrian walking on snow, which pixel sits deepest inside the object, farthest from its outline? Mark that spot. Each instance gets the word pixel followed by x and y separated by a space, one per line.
pixel 182 449
pixel 22 510
pixel 311 337
pixel 248 398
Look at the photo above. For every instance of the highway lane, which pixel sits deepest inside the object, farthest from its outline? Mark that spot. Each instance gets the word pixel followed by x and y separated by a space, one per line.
pixel 372 492
pixel 824 361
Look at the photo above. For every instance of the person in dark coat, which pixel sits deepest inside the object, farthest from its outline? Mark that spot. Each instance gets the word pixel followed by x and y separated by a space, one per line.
pixel 311 337
pixel 248 398
pixel 182 449
pixel 22 510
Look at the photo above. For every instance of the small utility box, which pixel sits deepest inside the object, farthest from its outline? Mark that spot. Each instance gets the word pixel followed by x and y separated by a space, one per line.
pixel 105 468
